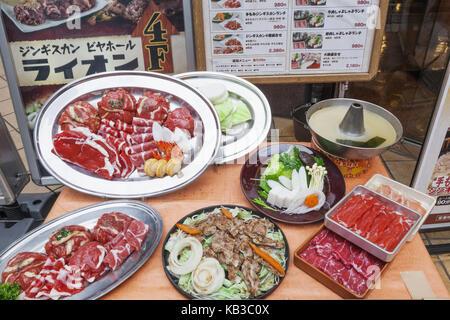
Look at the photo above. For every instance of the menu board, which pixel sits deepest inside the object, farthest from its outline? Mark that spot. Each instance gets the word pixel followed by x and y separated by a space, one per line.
pixel 290 37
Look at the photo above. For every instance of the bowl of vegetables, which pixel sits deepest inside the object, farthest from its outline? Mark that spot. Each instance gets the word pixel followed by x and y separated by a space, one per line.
pixel 292 183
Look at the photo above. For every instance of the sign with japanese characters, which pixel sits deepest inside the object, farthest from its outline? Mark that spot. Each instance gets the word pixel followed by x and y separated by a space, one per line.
pixel 290 37
pixel 53 43
pixel 432 175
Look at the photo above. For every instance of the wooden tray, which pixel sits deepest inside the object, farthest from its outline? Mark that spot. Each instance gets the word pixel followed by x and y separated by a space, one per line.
pixel 326 280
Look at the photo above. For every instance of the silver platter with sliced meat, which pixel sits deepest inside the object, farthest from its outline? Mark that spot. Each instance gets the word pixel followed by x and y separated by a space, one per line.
pixel 151 136
pixel 225 252
pixel 71 257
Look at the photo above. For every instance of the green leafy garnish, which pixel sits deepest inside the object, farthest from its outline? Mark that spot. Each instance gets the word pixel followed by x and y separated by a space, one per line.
pixel 62 234
pixel 292 162
pixel 9 291
pixel 262 203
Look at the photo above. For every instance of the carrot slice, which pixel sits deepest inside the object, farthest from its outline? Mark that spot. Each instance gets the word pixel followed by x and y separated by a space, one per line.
pixel 274 263
pixel 187 229
pixel 226 213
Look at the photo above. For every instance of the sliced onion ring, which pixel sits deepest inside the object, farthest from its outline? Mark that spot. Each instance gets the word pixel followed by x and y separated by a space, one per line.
pixel 208 277
pixel 192 262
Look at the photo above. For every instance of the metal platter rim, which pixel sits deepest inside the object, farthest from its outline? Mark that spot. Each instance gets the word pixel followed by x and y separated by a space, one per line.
pixel 210 208
pixel 204 158
pixel 247 85
pixel 155 238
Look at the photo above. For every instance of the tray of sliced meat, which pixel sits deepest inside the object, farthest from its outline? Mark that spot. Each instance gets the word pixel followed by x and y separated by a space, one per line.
pixel 225 252
pixel 373 222
pixel 127 134
pixel 83 254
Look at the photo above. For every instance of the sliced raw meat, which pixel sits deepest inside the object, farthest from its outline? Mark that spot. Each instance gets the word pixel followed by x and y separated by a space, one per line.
pixel 118 143
pixel 118 125
pixel 180 118
pixel 105 130
pixel 126 164
pixel 153 107
pixel 139 138
pixel 142 147
pixel 117 104
pixel 23 268
pixel 136 233
pixel 88 150
pixel 66 240
pixel 120 249
pixel 89 260
pixel 342 261
pixel 137 129
pixel 142 122
pixel 54 281
pixel 138 159
pixel 110 225
pixel 80 114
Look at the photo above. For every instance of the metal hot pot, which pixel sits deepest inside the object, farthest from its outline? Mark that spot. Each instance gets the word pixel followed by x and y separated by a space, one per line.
pixel 345 151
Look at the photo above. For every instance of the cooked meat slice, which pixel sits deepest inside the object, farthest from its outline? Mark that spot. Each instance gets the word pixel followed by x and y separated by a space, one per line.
pixel 243 247
pixel 208 252
pixel 232 273
pixel 222 222
pixel 206 226
pixel 263 241
pixel 258 226
pixel 250 269
pixel 267 265
pixel 237 227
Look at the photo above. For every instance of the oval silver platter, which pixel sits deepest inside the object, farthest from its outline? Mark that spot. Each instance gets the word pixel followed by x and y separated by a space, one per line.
pixel 252 133
pixel 35 240
pixel 179 94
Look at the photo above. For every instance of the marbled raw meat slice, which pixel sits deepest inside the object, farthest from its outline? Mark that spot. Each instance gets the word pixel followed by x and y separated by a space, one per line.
pixel 138 138
pixel 119 250
pixel 79 114
pixel 180 118
pixel 381 222
pixel 89 260
pixel 139 129
pixel 135 233
pixel 109 225
pixel 23 268
pixel 138 159
pixel 105 130
pixel 87 150
pixel 54 281
pixel 347 208
pixel 66 240
pixel 153 106
pixel 395 232
pixel 142 122
pixel 117 104
pixel 142 147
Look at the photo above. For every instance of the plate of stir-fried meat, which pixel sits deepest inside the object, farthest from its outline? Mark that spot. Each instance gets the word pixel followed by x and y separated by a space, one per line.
pixel 225 252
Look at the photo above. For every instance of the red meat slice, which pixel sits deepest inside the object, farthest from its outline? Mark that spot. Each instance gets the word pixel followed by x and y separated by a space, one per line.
pixel 136 233
pixel 118 143
pixel 138 138
pixel 54 281
pixel 23 268
pixel 110 225
pixel 180 118
pixel 347 208
pixel 118 125
pixel 66 240
pixel 138 129
pixel 142 122
pixel 87 150
pixel 117 105
pixel 120 249
pixel 138 159
pixel 89 260
pixel 395 232
pixel 142 147
pixel 80 114
pixel 153 107
pixel 105 130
